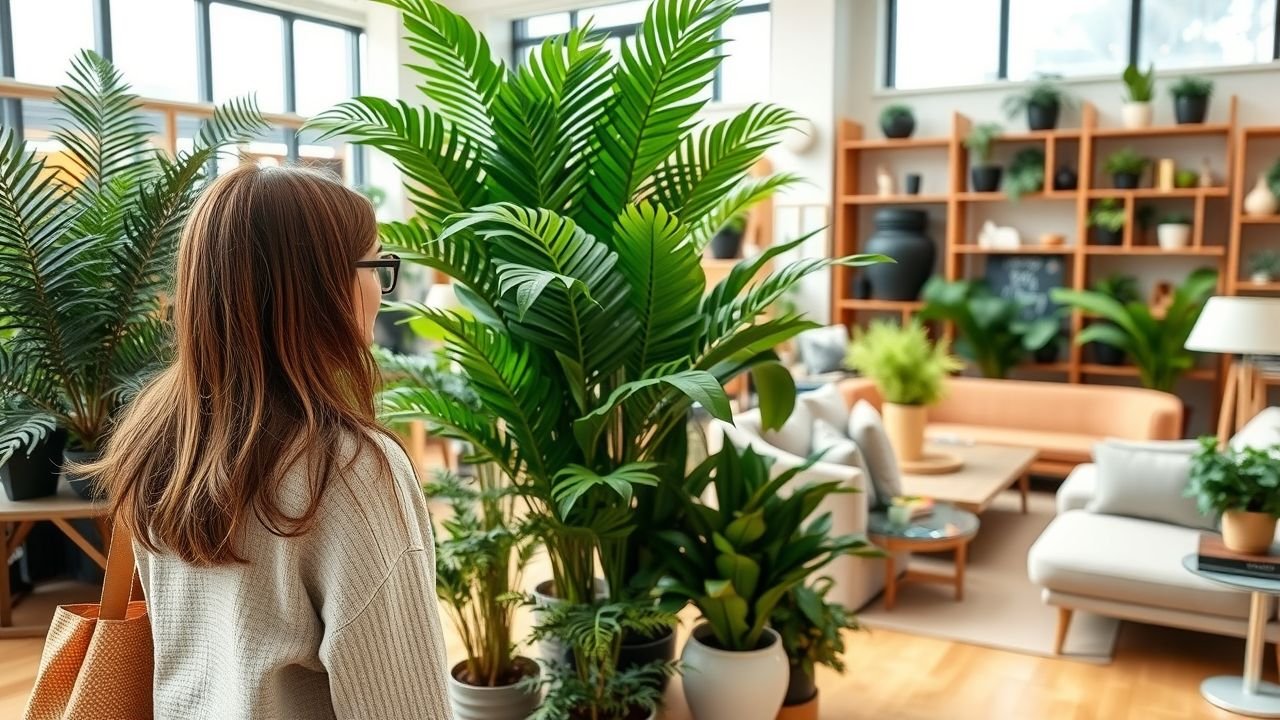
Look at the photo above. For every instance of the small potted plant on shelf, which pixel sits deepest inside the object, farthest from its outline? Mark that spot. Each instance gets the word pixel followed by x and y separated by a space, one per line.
pixel 1191 99
pixel 910 372
pixel 1140 88
pixel 1123 289
pixel 1244 487
pixel 812 630
pixel 1126 167
pixel 1174 231
pixel 991 330
pixel 1107 219
pixel 726 244
pixel 983 174
pixel 1026 173
pixel 897 121
pixel 1042 101
pixel 1186 178
pixel 1264 267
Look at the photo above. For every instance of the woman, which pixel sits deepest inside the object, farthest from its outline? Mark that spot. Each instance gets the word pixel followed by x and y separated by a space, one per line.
pixel 283 543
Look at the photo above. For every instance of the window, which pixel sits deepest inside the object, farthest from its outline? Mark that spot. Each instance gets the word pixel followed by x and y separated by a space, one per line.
pixel 743 76
pixel 1200 33
pixel 157 64
pixel 46 34
pixel 322 66
pixel 248 52
pixel 941 43
pixel 1076 38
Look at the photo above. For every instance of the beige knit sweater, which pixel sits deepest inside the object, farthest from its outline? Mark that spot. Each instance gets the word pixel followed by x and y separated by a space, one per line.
pixel 339 623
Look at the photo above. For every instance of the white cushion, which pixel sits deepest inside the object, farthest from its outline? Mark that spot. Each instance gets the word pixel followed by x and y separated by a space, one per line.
pixel 795 435
pixel 867 430
pixel 827 404
pixel 1262 432
pixel 1078 489
pixel 822 350
pixel 836 447
pixel 1147 480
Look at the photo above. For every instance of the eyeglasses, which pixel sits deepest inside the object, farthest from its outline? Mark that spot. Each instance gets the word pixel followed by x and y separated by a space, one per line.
pixel 388 267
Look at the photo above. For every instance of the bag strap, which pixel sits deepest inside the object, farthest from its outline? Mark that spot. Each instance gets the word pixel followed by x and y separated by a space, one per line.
pixel 117 584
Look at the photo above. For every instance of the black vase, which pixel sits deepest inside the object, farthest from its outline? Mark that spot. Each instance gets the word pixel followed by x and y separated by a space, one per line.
pixel 1042 117
pixel 861 288
pixel 639 651
pixel 1104 236
pixel 985 178
pixel 1065 179
pixel 1190 109
pixel 898 127
pixel 900 234
pixel 84 486
pixel 1106 354
pixel 1125 181
pixel 913 183
pixel 27 476
pixel 726 245
pixel 800 688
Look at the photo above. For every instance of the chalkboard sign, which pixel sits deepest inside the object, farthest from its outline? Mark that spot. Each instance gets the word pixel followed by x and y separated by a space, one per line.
pixel 1028 280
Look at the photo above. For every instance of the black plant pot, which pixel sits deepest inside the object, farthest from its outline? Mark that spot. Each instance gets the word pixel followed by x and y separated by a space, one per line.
pixel 985 178
pixel 901 126
pixel 1103 236
pixel 1190 109
pixel 1048 353
pixel 726 245
pixel 801 688
pixel 900 234
pixel 35 475
pixel 1106 354
pixel 913 183
pixel 640 651
pixel 1125 181
pixel 1042 117
pixel 1065 179
pixel 861 288
pixel 83 485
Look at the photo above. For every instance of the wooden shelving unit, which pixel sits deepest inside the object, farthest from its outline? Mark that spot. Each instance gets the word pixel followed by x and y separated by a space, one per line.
pixel 1242 232
pixel 1075 147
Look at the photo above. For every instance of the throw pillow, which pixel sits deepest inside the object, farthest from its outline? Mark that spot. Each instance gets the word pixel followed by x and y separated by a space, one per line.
pixel 1147 480
pixel 867 430
pixel 1260 433
pixel 796 434
pixel 822 350
pixel 840 450
pixel 827 404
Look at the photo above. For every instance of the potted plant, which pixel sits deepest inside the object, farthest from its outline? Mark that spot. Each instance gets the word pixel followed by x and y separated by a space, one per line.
pixel 32 471
pixel 1264 267
pixel 910 373
pixel 86 258
pixel 735 560
pixel 1244 487
pixel 1026 173
pixel 1041 101
pixel 1126 167
pixel 1140 88
pixel 991 331
pixel 897 121
pixel 726 244
pixel 1191 99
pixel 984 175
pixel 812 631
pixel 1107 219
pixel 1154 343
pixel 1186 178
pixel 1123 289
pixel 1174 231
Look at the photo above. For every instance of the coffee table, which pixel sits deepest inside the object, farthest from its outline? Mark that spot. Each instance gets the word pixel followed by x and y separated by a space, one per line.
pixel 946 528
pixel 988 471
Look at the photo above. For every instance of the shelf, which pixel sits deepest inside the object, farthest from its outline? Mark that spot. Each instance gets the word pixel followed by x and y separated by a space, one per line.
pixel 1057 367
pixel 1039 135
pixel 891 144
pixel 1260 219
pixel 870 304
pixel 1163 130
pixel 893 199
pixel 998 196
pixel 1247 286
pixel 1021 250
pixel 1158 193
pixel 1202 251
pixel 1131 371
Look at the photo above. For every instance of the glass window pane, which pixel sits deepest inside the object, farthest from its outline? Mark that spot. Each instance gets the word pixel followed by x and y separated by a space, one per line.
pixel 627 13
pixel 333 155
pixel 322 62
pixel 266 150
pixel 248 55
pixel 1085 37
pixel 1198 33
pixel 157 64
pixel 544 25
pixel 941 43
pixel 46 35
pixel 744 74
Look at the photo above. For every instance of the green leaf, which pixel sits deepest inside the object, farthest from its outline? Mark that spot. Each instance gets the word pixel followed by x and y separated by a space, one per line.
pixel 575 481
pixel 777 393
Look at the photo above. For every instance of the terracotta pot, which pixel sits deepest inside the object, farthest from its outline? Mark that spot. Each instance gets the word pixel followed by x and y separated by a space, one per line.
pixel 904 424
pixel 803 711
pixel 1248 532
pixel 505 702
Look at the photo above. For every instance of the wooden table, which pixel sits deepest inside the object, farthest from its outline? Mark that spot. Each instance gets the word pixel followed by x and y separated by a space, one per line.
pixel 16 521
pixel 988 471
pixel 947 528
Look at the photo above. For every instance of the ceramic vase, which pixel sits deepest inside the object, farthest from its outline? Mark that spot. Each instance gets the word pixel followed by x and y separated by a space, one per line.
pixel 1248 532
pixel 505 702
pixel 904 424
pixel 1260 200
pixel 728 685
pixel 1172 236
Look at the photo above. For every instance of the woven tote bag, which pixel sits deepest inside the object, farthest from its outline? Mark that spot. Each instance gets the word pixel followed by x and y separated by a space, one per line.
pixel 97 661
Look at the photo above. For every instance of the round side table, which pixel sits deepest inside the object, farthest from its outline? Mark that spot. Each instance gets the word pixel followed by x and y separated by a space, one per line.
pixel 1247 694
pixel 947 527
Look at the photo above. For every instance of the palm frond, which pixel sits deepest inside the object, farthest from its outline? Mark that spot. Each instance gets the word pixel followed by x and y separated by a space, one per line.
pixel 736 201
pixel 22 428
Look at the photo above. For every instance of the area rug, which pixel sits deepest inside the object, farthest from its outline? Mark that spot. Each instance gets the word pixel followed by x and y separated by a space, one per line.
pixel 1001 608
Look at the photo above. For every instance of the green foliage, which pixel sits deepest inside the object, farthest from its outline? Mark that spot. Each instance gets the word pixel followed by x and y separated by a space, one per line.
pixel 737 559
pixel 1175 218
pixel 1108 214
pixel 1273 178
pixel 1185 178
pixel 1127 161
pixel 736 224
pixel 1154 344
pixel 979 142
pixel 1045 91
pixel 1265 262
pixel 991 333
pixel 1025 174
pixel 907 368
pixel 1247 479
pixel 86 255
pixel 812 628
pixel 1139 86
pixel 1119 287
pixel 891 113
pixel 1192 86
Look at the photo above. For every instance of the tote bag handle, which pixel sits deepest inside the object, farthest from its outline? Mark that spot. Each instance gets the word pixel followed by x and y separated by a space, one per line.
pixel 117 584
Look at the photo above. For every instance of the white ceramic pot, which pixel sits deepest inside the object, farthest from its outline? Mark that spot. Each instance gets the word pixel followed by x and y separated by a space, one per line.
pixel 551 650
pixel 1260 278
pixel 726 685
pixel 1136 114
pixel 506 702
pixel 1260 200
pixel 1172 236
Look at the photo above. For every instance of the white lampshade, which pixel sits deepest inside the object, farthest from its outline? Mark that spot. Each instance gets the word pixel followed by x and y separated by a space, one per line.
pixel 1238 325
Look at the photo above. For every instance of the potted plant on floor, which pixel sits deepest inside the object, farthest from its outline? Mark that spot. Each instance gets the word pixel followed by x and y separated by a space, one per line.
pixel 1174 231
pixel 1125 166
pixel 984 176
pixel 1243 486
pixel 1026 173
pixel 1264 267
pixel 735 560
pixel 909 371
pixel 1124 290
pixel 1107 219
pixel 1140 88
pixel 990 330
pixel 812 631
pixel 1191 99
pixel 726 244
pixel 1042 100
pixel 897 121
pixel 85 259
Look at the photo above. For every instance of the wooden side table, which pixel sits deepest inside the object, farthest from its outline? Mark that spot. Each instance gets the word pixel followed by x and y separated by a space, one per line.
pixel 16 521
pixel 946 528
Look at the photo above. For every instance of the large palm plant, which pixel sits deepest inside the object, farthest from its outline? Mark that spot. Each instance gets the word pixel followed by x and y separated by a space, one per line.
pixel 85 252
pixel 570 199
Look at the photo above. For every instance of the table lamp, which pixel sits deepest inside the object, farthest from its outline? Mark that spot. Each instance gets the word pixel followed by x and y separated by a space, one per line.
pixel 1241 326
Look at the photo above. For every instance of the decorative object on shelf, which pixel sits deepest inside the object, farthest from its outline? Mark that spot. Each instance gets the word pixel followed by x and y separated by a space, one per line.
pixel 862 287
pixel 984 176
pixel 1260 200
pixel 1041 100
pixel 1165 170
pixel 1162 293
pixel 1154 344
pixel 1185 178
pixel 1065 178
pixel 996 237
pixel 1107 218
pixel 1052 239
pixel 913 183
pixel 812 630
pixel 1026 173
pixel 32 472
pixel 1125 166
pixel 726 244
pixel 991 332
pixel 900 234
pixel 1140 88
pixel 1264 267
pixel 884 182
pixel 910 372
pixel 1191 99
pixel 1206 173
pixel 1174 231
pixel 897 121
pixel 1123 289
pixel 1246 327
pixel 1240 484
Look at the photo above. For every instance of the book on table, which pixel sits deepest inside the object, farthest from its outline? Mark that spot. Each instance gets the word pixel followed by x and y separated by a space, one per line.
pixel 1214 556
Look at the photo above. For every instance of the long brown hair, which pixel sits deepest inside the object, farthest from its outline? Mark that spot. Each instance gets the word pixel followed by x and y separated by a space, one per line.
pixel 271 369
